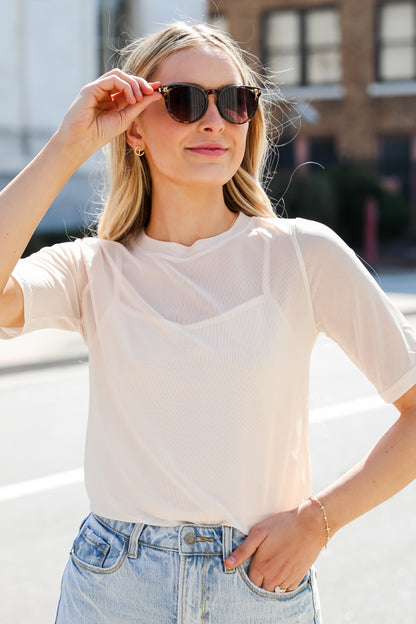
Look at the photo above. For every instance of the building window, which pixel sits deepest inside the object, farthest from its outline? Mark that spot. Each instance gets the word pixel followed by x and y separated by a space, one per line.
pixel 112 23
pixel 302 47
pixel 323 151
pixel 395 164
pixel 397 41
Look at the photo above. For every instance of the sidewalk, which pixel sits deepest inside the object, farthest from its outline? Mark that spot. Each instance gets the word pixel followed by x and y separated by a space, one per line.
pixel 401 288
pixel 47 347
pixel 52 347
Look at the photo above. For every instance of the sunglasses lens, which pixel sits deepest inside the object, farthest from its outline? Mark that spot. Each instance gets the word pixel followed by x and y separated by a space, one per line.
pixel 186 103
pixel 237 104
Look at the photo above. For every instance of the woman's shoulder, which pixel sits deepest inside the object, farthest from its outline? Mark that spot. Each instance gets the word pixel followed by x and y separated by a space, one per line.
pixel 72 254
pixel 315 243
pixel 89 247
pixel 298 228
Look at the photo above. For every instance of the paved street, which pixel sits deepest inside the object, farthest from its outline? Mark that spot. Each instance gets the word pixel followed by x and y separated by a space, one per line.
pixel 367 575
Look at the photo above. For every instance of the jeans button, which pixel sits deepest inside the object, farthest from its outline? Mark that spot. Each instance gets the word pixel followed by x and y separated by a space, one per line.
pixel 190 538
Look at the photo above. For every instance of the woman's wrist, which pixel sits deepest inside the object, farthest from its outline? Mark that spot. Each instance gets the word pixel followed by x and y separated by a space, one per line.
pixel 315 522
pixel 322 507
pixel 74 153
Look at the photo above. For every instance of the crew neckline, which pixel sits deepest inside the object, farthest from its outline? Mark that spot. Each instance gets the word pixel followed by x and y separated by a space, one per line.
pixel 147 243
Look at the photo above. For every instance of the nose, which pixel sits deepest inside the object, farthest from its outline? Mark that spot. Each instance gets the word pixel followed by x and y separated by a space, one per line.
pixel 212 120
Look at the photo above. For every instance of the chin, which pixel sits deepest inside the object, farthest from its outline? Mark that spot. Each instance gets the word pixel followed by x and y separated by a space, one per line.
pixel 213 182
pixel 213 175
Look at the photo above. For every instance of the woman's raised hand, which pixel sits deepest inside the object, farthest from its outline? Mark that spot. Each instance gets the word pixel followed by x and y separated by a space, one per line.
pixel 104 109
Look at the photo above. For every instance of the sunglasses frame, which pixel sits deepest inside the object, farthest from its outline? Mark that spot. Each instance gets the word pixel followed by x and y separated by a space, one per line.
pixel 165 90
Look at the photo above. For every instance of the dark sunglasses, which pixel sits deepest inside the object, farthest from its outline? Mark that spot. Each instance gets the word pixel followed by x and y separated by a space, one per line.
pixel 188 103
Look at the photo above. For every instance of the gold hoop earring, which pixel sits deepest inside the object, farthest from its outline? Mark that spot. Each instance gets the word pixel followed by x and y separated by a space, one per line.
pixel 139 151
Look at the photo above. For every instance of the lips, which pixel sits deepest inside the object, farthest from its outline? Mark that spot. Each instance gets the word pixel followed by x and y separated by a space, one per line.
pixel 209 149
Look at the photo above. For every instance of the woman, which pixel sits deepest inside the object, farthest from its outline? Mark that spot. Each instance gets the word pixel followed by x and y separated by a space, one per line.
pixel 200 309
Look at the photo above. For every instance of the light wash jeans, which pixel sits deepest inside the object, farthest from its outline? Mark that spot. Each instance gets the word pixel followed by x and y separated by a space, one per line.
pixel 126 573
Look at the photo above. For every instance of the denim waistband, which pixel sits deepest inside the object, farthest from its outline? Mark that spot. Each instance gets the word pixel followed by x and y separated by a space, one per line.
pixel 186 539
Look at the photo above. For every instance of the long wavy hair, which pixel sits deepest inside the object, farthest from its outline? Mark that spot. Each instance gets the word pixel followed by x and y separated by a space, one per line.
pixel 128 204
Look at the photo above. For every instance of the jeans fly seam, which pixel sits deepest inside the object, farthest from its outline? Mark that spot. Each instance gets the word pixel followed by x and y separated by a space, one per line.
pixel 204 591
pixel 181 590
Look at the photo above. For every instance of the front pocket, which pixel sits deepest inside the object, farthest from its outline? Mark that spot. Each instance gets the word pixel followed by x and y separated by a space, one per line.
pixel 97 548
pixel 259 591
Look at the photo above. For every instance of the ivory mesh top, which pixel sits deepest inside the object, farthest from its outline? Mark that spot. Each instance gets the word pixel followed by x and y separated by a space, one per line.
pixel 199 361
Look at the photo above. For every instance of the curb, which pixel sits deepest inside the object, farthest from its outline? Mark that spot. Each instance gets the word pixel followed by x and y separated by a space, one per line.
pixel 43 364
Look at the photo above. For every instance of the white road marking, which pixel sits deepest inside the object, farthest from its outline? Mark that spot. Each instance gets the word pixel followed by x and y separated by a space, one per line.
pixel 71 477
pixel 42 484
pixel 348 408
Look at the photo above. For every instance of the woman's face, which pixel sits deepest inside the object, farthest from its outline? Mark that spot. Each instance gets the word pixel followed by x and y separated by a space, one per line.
pixel 173 150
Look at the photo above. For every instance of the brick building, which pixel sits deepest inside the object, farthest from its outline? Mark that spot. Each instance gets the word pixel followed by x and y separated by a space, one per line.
pixel 351 66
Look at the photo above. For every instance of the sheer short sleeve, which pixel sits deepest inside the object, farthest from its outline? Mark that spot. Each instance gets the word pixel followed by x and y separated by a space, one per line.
pixel 52 281
pixel 351 308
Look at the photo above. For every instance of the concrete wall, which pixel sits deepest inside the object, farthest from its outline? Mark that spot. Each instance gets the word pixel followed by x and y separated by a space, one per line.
pixel 47 51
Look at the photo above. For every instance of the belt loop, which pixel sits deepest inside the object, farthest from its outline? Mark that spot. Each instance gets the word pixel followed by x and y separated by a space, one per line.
pixel 134 540
pixel 227 546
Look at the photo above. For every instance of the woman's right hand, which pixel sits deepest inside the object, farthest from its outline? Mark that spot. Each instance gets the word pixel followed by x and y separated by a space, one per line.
pixel 104 109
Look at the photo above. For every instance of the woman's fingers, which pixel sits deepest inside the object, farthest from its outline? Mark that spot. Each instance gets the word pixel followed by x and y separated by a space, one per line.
pixel 133 87
pixel 114 86
pixel 247 548
pixel 148 87
pixel 140 89
pixel 106 107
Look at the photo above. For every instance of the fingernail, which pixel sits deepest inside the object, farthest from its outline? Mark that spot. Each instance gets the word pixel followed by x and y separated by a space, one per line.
pixel 229 562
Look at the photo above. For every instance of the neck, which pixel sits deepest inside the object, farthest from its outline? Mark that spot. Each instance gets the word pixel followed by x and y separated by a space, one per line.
pixel 184 216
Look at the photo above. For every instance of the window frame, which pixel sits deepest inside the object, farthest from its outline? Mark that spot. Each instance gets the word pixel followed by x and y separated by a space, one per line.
pixel 380 46
pixel 303 50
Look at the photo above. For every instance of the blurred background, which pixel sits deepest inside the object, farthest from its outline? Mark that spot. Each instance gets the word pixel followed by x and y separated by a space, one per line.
pixel 343 77
pixel 342 85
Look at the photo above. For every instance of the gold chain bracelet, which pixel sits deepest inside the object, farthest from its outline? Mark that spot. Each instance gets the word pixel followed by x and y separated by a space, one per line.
pixel 316 500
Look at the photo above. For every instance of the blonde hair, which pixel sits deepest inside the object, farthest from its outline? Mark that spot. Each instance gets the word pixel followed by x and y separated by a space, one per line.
pixel 128 205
